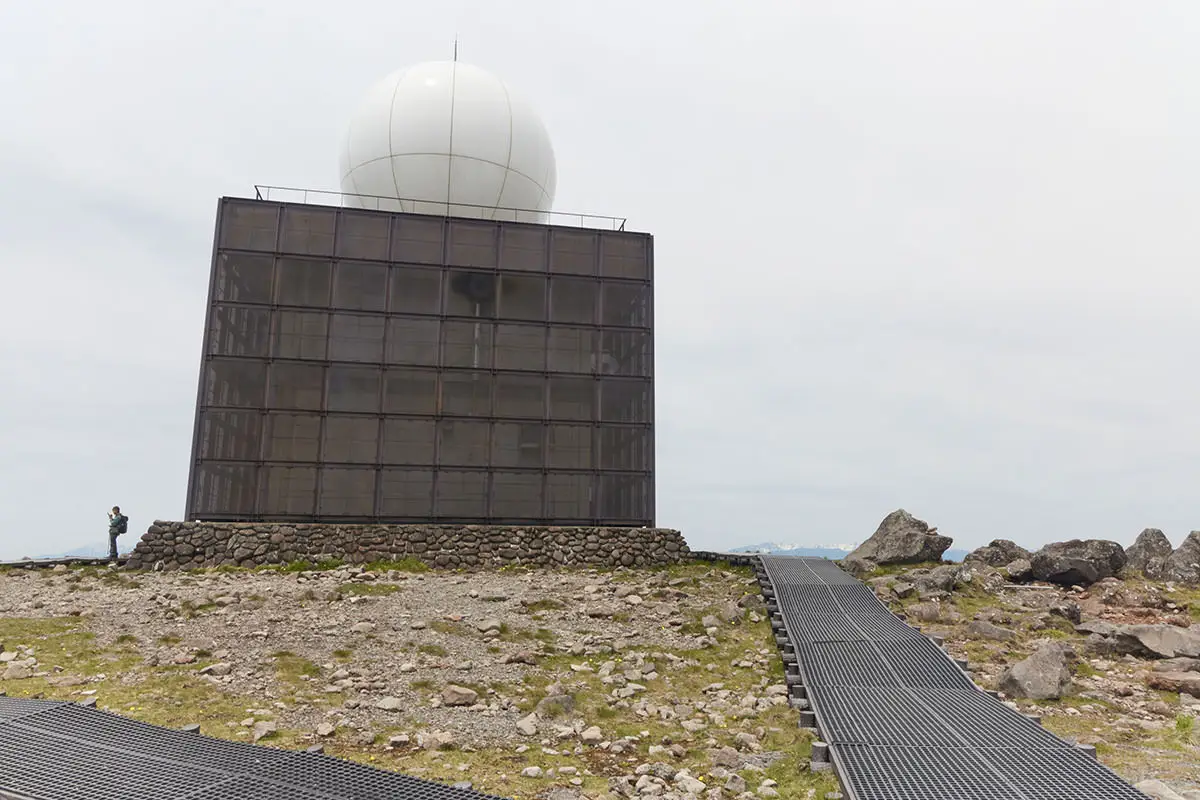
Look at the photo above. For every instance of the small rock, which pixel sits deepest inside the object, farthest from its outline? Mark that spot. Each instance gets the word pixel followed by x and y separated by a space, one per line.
pixel 325 729
pixel 390 704
pixel 263 729
pixel 362 627
pixel 528 725
pixel 532 772
pixel 986 630
pixel 454 695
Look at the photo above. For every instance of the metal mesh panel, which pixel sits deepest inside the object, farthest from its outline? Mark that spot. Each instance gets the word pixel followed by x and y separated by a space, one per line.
pixel 1059 775
pixel 410 319
pixel 66 752
pixel 40 764
pixel 851 715
pixel 341 779
pixel 903 721
pixel 919 773
pixel 983 721
pixel 12 708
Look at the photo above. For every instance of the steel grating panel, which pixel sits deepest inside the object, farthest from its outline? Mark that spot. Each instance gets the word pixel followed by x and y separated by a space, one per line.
pixel 37 764
pixel 844 664
pixel 817 627
pixel 1059 775
pixel 83 724
pixel 247 788
pixel 877 626
pixel 13 708
pixel 903 721
pixel 67 752
pixel 787 571
pixel 829 572
pixel 983 721
pixel 917 663
pixel 880 716
pixel 919 773
pixel 341 779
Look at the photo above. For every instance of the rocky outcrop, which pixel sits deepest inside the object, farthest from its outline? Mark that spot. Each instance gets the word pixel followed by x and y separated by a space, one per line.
pixel 1079 562
pixel 1019 569
pixel 1184 564
pixel 902 539
pixel 1156 641
pixel 192 545
pixel 1149 553
pixel 1181 682
pixel 999 553
pixel 1045 675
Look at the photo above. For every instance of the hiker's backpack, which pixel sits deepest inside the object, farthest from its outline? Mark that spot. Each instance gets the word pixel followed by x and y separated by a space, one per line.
pixel 122 524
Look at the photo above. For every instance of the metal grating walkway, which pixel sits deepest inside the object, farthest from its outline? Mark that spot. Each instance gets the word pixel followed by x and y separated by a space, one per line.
pixel 62 751
pixel 902 720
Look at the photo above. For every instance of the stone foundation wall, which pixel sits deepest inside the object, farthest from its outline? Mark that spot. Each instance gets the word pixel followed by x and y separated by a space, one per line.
pixel 191 545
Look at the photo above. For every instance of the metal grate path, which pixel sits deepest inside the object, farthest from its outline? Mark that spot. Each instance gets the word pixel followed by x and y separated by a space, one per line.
pixel 62 751
pixel 903 721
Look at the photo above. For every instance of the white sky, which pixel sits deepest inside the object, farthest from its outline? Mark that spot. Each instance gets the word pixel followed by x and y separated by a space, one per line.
pixel 931 255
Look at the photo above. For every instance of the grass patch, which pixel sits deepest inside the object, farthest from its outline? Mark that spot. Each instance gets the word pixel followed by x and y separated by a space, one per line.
pixel 306 566
pixel 368 589
pixel 403 565
pixel 291 668
pixel 542 605
pixel 447 627
pixel 433 650
pixel 343 654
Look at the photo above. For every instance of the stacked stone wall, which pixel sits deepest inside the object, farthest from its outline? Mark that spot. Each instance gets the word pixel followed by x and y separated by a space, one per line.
pixel 193 545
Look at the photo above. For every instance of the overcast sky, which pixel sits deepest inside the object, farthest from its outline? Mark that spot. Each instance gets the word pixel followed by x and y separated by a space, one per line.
pixel 932 255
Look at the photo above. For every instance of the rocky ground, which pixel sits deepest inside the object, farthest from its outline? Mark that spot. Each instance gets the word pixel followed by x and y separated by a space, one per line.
pixel 1115 663
pixel 560 684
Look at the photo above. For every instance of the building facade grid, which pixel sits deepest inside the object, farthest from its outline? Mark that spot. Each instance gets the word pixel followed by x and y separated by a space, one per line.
pixel 365 366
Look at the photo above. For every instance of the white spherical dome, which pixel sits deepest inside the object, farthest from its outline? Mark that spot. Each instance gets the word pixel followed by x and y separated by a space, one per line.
pixel 446 137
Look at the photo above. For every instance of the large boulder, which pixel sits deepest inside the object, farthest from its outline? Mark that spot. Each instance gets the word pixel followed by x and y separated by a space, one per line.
pixel 902 539
pixel 1181 682
pixel 1184 564
pixel 1156 641
pixel 1045 675
pixel 939 579
pixel 998 553
pixel 1149 553
pixel 1079 562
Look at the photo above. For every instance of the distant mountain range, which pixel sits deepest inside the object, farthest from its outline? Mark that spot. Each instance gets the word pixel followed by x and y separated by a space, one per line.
pixel 832 551
pixel 92 551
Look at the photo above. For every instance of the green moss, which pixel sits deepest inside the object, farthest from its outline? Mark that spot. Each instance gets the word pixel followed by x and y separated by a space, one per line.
pixel 291 668
pixel 368 589
pixel 403 565
pixel 542 605
pixel 447 627
pixel 433 650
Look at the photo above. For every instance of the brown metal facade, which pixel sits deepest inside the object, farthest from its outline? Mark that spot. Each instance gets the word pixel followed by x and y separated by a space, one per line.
pixel 367 366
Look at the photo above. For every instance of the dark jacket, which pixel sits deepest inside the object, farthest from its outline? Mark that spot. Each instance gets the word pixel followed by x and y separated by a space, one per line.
pixel 116 523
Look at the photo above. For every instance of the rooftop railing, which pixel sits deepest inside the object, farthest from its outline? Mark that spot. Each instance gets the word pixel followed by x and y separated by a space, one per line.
pixel 325 197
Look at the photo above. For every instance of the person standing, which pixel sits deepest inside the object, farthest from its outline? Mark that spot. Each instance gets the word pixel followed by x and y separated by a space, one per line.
pixel 118 523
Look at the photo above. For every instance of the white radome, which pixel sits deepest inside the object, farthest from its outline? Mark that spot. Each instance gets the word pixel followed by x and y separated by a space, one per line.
pixel 446 137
